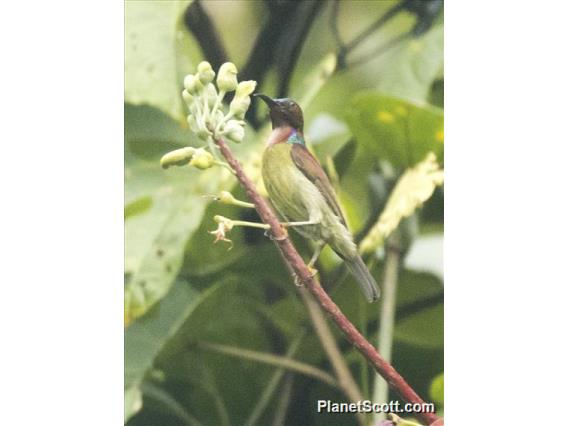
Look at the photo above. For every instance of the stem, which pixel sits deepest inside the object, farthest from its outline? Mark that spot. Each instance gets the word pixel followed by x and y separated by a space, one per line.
pixel 275 360
pixel 295 262
pixel 223 164
pixel 392 257
pixel 220 97
pixel 161 395
pixel 244 204
pixel 250 224
pixel 273 383
pixel 202 27
pixel 283 402
pixel 340 368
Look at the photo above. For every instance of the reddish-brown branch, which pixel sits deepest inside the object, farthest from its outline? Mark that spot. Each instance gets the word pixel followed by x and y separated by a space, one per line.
pixel 296 263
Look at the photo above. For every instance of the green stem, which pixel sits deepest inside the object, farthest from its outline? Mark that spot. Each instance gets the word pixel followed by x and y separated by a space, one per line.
pixel 273 383
pixel 218 101
pixel 161 395
pixel 386 330
pixel 283 402
pixel 250 224
pixel 222 163
pixel 275 360
pixel 240 203
pixel 223 121
pixel 341 369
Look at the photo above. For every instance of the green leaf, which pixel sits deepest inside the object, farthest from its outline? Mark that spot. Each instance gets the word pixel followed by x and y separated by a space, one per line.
pixel 152 54
pixel 226 317
pixel 327 135
pixel 437 389
pixel 169 206
pixel 132 401
pixel 137 206
pixel 145 338
pixel 412 68
pixel 162 397
pixel 395 130
pixel 159 267
pixel 424 328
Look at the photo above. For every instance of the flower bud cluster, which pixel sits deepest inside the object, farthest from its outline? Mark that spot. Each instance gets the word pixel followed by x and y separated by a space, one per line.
pixel 206 116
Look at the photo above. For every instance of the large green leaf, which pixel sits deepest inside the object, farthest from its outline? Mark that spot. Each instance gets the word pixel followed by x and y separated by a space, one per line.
pixel 424 328
pixel 145 338
pixel 132 401
pixel 395 130
pixel 163 209
pixel 412 68
pixel 227 317
pixel 153 53
pixel 158 239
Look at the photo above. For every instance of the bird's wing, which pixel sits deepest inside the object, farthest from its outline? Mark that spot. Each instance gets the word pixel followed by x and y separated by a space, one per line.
pixel 312 169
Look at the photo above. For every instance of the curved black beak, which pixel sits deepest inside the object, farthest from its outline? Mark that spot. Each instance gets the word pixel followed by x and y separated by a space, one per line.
pixel 267 99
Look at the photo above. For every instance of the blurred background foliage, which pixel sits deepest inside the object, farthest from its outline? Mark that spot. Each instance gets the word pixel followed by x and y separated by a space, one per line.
pixel 199 316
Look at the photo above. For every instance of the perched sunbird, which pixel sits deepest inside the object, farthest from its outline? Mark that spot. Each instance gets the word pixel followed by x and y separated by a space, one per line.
pixel 301 192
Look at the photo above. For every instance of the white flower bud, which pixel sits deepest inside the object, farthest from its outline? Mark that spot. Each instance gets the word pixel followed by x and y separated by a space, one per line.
pixel 205 72
pixel 245 88
pixel 234 131
pixel 226 197
pixel 187 97
pixel 211 94
pixel 179 157
pixel 202 159
pixel 192 84
pixel 227 77
pixel 192 123
pixel 239 106
pixel 202 134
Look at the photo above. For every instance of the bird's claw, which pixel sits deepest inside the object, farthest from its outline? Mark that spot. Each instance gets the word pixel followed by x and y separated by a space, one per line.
pixel 313 271
pixel 298 281
pixel 268 233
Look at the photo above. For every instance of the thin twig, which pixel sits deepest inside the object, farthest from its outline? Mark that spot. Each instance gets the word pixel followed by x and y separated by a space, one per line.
pixel 386 328
pixel 335 24
pixel 291 45
pixel 284 401
pixel 346 49
pixel 273 383
pixel 280 236
pixel 202 27
pixel 342 372
pixel 380 50
pixel 275 360
pixel 152 391
pixel 374 26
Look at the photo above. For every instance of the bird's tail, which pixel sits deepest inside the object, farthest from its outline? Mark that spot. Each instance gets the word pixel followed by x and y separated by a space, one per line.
pixel 364 278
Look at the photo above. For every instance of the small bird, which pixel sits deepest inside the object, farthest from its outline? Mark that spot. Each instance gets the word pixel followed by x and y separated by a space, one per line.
pixel 301 192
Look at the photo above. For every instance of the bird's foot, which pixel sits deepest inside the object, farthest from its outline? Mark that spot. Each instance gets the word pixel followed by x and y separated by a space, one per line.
pixel 268 233
pixel 298 281
pixel 313 271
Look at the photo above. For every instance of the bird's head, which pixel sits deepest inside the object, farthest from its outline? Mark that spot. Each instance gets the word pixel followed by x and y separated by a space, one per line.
pixel 284 112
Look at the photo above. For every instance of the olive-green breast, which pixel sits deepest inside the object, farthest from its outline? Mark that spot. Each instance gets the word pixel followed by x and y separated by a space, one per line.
pixel 297 199
pixel 281 179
